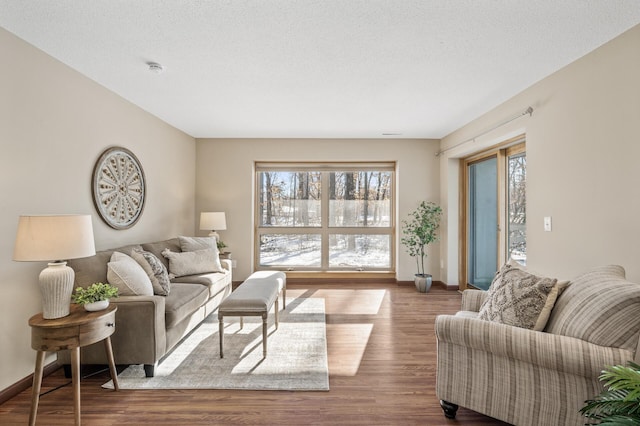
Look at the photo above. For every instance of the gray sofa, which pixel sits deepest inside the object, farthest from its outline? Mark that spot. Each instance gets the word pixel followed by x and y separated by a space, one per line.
pixel 148 327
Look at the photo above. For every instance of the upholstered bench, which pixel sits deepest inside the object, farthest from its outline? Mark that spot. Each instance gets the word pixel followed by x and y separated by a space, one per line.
pixel 277 276
pixel 251 298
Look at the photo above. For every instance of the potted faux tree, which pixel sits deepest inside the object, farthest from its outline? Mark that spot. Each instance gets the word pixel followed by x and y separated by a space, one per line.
pixel 95 297
pixel 420 230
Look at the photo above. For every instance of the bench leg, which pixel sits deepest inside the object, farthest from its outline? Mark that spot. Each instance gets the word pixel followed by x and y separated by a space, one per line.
pixel 276 313
pixel 221 333
pixel 284 298
pixel 241 323
pixel 264 335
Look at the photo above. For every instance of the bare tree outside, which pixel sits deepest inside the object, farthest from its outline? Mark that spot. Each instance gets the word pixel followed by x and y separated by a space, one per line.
pixel 517 183
pixel 356 200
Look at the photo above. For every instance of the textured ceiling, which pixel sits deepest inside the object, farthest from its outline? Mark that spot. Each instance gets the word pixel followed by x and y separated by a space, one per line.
pixel 318 68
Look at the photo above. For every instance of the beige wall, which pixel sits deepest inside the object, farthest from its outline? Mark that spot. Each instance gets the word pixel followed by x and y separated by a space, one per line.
pixel 54 123
pixel 582 162
pixel 225 182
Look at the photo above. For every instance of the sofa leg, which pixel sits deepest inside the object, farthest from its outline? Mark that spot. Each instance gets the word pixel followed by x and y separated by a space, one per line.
pixel 67 370
pixel 149 370
pixel 449 409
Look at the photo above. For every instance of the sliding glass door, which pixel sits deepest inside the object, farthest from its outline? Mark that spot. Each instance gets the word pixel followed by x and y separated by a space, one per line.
pixel 494 199
pixel 483 222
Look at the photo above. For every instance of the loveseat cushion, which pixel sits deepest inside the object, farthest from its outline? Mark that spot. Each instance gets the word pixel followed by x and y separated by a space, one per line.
pixel 183 300
pixel 601 307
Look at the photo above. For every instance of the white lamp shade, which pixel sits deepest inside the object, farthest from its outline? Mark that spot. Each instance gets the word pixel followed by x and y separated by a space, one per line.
pixel 213 221
pixel 55 237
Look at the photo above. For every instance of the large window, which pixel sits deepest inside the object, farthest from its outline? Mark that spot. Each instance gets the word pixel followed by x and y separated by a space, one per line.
pixel 324 217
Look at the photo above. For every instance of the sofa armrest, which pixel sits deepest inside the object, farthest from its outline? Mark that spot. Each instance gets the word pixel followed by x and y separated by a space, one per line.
pixel 140 328
pixel 550 351
pixel 226 264
pixel 472 300
pixel 139 337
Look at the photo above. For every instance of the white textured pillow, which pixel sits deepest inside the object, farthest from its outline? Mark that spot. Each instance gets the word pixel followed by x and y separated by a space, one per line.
pixel 192 262
pixel 126 274
pixel 201 243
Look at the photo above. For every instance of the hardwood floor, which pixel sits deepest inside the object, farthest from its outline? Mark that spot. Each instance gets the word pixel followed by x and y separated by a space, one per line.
pixel 382 358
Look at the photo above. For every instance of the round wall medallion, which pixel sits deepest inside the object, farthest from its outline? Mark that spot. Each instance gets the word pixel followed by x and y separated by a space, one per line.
pixel 119 187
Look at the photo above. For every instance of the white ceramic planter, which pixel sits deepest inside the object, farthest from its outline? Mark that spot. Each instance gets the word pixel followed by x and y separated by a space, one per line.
pixel 97 306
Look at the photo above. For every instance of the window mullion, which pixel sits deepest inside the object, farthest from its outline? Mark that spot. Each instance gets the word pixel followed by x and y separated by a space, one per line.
pixel 324 208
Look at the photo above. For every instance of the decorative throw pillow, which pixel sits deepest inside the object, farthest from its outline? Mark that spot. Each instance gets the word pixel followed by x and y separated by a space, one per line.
pixel 201 243
pixel 191 262
pixel 125 273
pixel 519 298
pixel 155 269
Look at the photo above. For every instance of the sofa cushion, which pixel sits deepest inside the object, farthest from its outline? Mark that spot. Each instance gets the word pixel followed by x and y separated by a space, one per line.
pixel 201 243
pixel 601 307
pixel 126 274
pixel 184 300
pixel 155 269
pixel 518 298
pixel 214 281
pixel 191 262
pixel 159 246
pixel 93 269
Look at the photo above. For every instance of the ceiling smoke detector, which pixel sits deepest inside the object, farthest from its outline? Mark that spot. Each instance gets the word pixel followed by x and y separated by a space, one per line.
pixel 155 68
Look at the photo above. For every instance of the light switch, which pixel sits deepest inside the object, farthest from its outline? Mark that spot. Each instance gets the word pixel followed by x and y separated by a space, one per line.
pixel 547 223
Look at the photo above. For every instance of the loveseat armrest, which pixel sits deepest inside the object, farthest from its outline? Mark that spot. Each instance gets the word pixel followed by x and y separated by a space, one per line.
pixel 549 351
pixel 472 300
pixel 139 337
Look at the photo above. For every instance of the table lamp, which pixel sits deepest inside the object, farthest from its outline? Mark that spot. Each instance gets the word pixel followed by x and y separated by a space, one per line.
pixel 54 239
pixel 213 221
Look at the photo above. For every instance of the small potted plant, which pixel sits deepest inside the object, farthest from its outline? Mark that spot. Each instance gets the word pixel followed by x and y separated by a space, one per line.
pixel 418 232
pixel 95 297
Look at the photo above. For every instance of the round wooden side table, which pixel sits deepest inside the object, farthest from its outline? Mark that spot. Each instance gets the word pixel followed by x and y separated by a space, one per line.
pixel 79 328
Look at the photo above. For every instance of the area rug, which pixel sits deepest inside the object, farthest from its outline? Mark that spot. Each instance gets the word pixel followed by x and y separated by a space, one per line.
pixel 296 358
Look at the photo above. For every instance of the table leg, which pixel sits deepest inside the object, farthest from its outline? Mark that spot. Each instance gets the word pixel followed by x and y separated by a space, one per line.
pixel 37 383
pixel 112 365
pixel 75 379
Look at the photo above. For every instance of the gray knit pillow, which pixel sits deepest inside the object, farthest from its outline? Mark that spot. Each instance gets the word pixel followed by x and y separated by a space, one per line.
pixel 519 298
pixel 155 269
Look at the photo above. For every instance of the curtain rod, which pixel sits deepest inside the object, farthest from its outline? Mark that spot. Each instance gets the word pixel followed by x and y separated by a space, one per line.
pixel 529 111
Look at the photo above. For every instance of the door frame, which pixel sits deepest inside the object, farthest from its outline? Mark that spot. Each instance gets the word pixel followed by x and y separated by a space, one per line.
pixel 501 151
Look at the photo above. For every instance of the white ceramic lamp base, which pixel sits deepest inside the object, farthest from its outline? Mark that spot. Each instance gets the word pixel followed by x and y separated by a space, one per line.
pixel 56 286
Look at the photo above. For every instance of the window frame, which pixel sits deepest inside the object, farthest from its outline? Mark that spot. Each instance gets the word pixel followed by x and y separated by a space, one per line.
pixel 325 230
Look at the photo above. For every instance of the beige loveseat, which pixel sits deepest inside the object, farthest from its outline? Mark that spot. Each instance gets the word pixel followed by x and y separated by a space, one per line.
pixel 528 377
pixel 149 326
